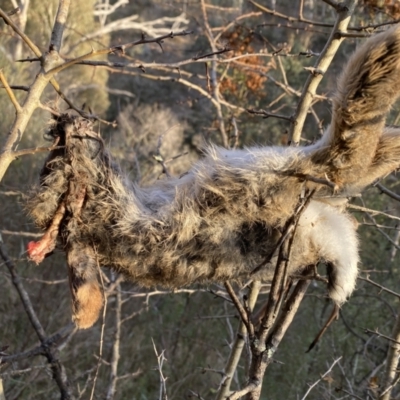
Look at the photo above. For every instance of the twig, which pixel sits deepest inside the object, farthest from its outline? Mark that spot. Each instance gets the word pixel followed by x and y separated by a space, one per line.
pixel 371 211
pixel 379 286
pixel 197 396
pixel 389 388
pixel 214 76
pixel 392 360
pixel 288 18
pixel 352 395
pixel 40 149
pixel 59 25
pixel 160 362
pixel 234 22
pixel 32 100
pixel 385 190
pixel 116 346
pixel 52 341
pixel 103 326
pixel 324 60
pixel 59 374
pixel 247 389
pixel 280 271
pixel 237 347
pixel 322 377
pixel 10 92
pixel 383 233
pixel 19 372
pixel 18 31
pixel 116 50
pixel 19 233
pixel 213 53
pixel 335 4
pixel 267 114
pixel 263 352
pixel 376 333
pixel 186 83
pixel 243 314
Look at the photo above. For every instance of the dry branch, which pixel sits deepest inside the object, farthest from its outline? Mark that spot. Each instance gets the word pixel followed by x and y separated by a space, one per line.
pixel 391 374
pixel 112 387
pixel 59 25
pixel 344 13
pixel 58 370
pixel 214 76
pixel 320 379
pixel 261 359
pixel 237 347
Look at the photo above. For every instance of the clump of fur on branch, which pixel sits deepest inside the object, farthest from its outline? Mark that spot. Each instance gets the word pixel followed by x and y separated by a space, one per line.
pixel 225 217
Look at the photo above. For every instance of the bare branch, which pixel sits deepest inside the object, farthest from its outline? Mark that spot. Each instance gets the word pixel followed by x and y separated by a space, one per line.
pixel 116 50
pixel 385 190
pixel 286 17
pixel 18 31
pixel 116 346
pixel 10 92
pixel 267 114
pixel 320 379
pixel 237 347
pixel 59 25
pixel 379 286
pixel 213 53
pixel 324 60
pixel 103 326
pixel 214 76
pixel 378 334
pixel 243 314
pixel 148 28
pixel 263 358
pixel 160 362
pixel 371 211
pixel 59 374
pixel 247 389
pixel 392 361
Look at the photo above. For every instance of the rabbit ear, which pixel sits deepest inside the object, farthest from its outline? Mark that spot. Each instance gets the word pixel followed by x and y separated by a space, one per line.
pixel 367 88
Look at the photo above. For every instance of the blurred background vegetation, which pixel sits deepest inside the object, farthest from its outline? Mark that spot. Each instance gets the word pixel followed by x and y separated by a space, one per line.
pixel 195 327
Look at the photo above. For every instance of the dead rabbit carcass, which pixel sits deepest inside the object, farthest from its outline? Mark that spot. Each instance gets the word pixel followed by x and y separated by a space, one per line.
pixel 225 216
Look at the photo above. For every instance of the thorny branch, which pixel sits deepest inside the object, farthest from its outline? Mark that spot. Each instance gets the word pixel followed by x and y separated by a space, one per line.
pixel 51 353
pixel 117 49
pixel 51 64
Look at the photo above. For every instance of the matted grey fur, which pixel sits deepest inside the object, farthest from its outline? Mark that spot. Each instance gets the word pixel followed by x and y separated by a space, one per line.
pixel 225 216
